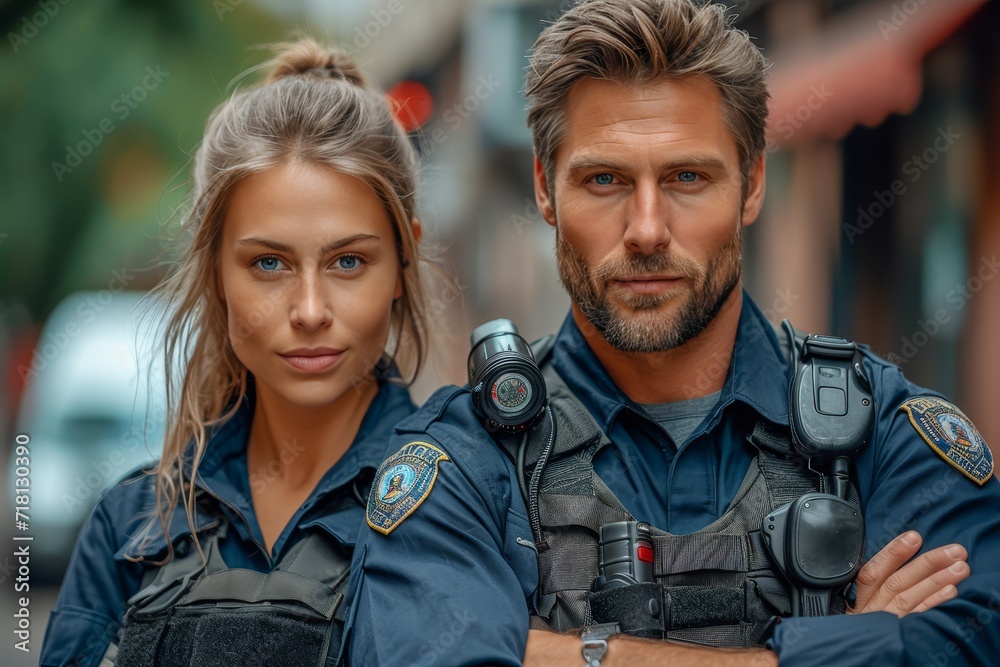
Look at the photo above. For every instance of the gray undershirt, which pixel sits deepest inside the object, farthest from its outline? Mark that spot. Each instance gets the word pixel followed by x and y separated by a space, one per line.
pixel 680 418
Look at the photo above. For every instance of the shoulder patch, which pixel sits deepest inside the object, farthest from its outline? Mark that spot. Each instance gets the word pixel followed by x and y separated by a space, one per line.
pixel 402 483
pixel 952 435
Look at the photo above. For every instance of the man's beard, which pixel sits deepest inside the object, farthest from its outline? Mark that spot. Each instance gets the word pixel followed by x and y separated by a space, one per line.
pixel 637 325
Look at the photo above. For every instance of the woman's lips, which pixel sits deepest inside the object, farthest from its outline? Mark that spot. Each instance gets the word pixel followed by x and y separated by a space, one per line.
pixel 312 362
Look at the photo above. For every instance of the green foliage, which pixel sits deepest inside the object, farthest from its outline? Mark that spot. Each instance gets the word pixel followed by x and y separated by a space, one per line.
pixel 102 103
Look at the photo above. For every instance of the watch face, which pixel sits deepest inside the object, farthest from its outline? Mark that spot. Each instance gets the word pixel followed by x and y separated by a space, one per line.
pixel 510 392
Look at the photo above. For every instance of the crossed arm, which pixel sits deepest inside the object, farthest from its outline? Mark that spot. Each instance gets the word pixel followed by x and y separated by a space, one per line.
pixel 887 582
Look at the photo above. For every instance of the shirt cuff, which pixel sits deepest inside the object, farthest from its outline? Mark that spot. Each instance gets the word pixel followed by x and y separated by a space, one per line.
pixel 845 641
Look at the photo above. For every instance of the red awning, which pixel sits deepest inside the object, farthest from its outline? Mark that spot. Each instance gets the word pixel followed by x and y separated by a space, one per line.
pixel 859 70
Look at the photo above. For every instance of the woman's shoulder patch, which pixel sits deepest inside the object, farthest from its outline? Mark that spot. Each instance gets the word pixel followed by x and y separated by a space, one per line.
pixel 402 483
pixel 952 435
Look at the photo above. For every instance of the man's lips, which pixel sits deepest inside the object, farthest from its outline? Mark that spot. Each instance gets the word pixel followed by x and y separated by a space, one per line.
pixel 312 360
pixel 647 284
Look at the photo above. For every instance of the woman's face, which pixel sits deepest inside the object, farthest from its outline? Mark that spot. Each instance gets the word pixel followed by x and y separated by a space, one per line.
pixel 308 271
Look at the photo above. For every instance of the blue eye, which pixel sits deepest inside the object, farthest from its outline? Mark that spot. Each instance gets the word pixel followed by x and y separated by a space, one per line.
pixel 269 264
pixel 687 177
pixel 349 262
pixel 604 179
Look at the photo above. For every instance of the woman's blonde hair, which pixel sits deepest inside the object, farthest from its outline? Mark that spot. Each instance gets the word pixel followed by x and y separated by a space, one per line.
pixel 314 105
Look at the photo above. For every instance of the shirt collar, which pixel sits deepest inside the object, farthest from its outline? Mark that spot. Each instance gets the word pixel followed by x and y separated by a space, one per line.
pixel 756 376
pixel 223 469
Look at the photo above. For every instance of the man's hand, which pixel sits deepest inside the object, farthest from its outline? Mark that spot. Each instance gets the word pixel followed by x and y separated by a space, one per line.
pixel 888 583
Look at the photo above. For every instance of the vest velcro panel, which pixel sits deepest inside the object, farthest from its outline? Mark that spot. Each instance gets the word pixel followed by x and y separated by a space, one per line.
pixel 233 617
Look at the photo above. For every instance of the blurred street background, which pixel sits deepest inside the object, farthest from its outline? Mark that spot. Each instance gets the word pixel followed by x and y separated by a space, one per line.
pixel 882 216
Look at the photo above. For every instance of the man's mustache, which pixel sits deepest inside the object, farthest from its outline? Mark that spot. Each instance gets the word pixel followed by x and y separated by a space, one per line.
pixel 636 265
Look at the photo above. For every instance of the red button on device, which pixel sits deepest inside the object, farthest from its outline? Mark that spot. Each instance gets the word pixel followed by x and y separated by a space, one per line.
pixel 645 553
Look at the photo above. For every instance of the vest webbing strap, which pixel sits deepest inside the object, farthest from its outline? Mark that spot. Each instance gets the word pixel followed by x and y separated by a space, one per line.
pixel 677 554
pixel 786 473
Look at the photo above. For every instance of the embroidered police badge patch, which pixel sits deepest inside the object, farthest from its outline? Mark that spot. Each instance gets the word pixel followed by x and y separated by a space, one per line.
pixel 951 434
pixel 402 483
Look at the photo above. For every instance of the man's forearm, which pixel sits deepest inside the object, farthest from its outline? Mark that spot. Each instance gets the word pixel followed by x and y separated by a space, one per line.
pixel 556 650
pixel 629 651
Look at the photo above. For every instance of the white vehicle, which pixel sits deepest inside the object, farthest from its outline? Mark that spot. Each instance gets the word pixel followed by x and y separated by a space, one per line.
pixel 91 413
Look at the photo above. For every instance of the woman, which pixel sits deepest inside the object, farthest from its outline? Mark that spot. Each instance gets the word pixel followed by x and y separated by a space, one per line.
pixel 297 299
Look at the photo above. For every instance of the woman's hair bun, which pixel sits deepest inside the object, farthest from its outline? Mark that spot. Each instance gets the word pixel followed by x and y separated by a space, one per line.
pixel 306 57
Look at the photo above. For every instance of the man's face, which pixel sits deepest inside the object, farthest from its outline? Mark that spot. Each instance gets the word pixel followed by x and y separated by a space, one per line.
pixel 648 209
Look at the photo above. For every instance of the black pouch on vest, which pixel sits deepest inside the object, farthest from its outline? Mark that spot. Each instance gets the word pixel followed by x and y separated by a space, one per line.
pixel 637 609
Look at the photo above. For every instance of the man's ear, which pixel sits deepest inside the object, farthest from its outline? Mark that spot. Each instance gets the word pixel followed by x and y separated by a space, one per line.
pixel 418 231
pixel 545 204
pixel 756 181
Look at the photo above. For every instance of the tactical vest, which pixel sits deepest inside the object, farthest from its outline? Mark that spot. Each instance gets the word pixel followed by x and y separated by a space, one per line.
pixel 201 612
pixel 718 586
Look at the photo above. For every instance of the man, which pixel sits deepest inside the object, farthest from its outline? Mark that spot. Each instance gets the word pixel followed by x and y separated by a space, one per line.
pixel 648 120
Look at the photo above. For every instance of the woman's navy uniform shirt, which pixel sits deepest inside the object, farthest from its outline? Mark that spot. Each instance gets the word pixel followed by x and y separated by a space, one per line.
pixel 453 582
pixel 92 600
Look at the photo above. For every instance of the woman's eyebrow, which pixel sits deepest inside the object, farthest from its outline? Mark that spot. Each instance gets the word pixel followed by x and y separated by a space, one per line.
pixel 329 247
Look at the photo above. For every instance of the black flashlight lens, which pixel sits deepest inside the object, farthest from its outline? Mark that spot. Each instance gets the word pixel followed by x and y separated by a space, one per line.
pixel 507 387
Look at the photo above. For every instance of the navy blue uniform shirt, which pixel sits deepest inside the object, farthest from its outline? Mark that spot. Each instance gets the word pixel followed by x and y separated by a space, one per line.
pixel 99 580
pixel 453 582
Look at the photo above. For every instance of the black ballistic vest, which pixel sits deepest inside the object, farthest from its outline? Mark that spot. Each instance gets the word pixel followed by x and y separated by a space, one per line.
pixel 204 613
pixel 717 586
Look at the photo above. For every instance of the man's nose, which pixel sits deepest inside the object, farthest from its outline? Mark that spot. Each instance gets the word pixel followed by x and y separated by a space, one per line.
pixel 647 220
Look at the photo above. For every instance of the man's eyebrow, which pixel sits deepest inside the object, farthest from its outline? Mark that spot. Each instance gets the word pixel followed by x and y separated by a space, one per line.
pixel 281 247
pixel 586 163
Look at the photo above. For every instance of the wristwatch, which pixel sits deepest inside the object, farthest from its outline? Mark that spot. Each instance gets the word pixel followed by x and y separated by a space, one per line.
pixel 595 642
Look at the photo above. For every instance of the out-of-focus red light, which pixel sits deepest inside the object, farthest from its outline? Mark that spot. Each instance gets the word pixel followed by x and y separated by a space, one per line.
pixel 411 103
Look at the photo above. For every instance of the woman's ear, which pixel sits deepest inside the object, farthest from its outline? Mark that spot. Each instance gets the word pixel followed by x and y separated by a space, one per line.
pixel 418 231
pixel 218 284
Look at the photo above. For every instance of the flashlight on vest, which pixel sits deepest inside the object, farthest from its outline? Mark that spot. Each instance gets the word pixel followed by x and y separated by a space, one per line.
pixel 625 555
pixel 508 390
